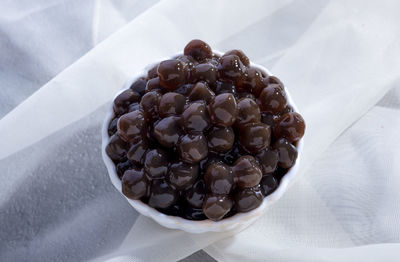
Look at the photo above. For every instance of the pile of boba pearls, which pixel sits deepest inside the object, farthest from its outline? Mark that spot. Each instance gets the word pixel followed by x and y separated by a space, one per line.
pixel 203 136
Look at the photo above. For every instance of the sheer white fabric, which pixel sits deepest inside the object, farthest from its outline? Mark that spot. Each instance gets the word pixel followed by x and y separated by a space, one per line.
pixel 339 59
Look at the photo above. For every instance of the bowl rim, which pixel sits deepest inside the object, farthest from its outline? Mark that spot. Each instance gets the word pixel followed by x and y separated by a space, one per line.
pixel 239 220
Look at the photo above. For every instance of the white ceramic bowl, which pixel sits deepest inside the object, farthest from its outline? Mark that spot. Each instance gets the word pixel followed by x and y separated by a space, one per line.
pixel 238 221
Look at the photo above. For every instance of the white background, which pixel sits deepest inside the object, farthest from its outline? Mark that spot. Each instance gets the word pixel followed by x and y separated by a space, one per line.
pixel 340 60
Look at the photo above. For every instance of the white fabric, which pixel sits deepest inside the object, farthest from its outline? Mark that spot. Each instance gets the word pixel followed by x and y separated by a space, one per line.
pixel 337 58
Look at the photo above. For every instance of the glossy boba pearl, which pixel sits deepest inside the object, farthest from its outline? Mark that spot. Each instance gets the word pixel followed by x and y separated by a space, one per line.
pixel 188 61
pixel 131 126
pixel 201 92
pixel 139 86
pixel 182 175
pixel 255 137
pixel 149 104
pixel 273 99
pixel 248 112
pixel 167 131
pixel 137 152
pixel 192 148
pixel 198 49
pixel 215 207
pixel 204 72
pixel 154 85
pixel 172 73
pixel 195 117
pixel 243 58
pixel 112 127
pixel 195 194
pixel 290 126
pixel 156 164
pixel 223 110
pixel 246 171
pixel 171 104
pixel 218 178
pixel 134 183
pixel 123 100
pixel 268 185
pixel 287 153
pixel 247 199
pixel 231 68
pixel 268 159
pixel 220 139
pixel 273 81
pixel 253 81
pixel 161 194
pixel 116 148
pixel 152 73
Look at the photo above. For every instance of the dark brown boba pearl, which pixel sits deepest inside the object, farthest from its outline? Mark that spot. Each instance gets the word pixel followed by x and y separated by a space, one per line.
pixel 268 159
pixel 204 72
pixel 201 91
pixel 161 194
pixel 195 117
pixel 290 126
pixel 268 185
pixel 192 148
pixel 222 87
pixel 218 178
pixel 181 175
pixel 134 107
pixel 152 73
pixel 198 49
pixel 116 148
pixel 272 99
pixel 149 104
pixel 167 131
pixel 246 171
pixel 131 126
pixel 156 164
pixel 220 139
pixel 195 194
pixel 253 81
pixel 287 153
pixel 123 100
pixel 154 85
pixel 172 74
pixel 215 207
pixel 243 58
pixel 184 89
pixel 171 103
pixel 137 152
pixel 134 183
pixel 273 81
pixel 247 199
pixel 231 68
pixel 188 60
pixel 122 167
pixel 112 127
pixel 139 86
pixel 223 110
pixel 255 136
pixel 248 112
